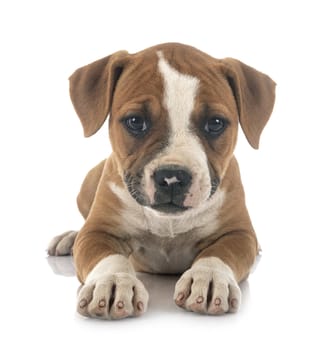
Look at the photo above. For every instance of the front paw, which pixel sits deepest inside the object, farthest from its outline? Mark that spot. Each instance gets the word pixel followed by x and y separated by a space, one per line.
pixel 113 296
pixel 209 287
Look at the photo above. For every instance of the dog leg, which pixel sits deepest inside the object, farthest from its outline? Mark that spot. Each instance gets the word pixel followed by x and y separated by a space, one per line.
pixel 211 285
pixel 62 244
pixel 208 287
pixel 111 291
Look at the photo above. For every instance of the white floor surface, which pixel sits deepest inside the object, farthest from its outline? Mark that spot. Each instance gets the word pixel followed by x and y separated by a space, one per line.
pixel 288 299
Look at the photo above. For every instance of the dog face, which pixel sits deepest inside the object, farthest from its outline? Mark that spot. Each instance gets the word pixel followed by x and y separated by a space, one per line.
pixel 174 118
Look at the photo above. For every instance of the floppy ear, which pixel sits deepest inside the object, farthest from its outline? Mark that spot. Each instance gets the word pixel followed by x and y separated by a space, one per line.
pixel 255 95
pixel 92 88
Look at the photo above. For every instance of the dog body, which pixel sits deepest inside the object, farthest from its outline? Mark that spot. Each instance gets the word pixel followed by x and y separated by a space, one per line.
pixel 169 199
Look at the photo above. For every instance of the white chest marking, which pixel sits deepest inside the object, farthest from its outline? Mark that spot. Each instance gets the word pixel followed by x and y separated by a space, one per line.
pixel 167 244
pixel 138 220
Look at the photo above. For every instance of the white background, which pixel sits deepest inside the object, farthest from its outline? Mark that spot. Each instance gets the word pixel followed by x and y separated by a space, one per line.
pixel 288 299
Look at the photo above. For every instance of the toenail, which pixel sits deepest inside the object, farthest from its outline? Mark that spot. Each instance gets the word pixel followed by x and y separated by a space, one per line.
pixel 217 301
pixel 139 305
pixel 180 297
pixel 120 304
pixel 83 303
pixel 234 303
pixel 102 303
pixel 200 299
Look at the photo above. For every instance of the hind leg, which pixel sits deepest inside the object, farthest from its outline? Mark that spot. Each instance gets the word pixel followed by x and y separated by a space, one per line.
pixel 63 244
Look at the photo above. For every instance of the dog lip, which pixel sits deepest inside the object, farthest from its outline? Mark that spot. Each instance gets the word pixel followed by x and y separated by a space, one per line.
pixel 169 208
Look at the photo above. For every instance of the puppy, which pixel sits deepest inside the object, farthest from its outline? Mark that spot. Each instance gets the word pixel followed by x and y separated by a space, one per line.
pixel 169 199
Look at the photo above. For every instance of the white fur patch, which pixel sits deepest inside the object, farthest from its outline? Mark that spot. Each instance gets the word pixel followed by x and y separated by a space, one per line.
pixel 180 91
pixel 211 273
pixel 204 218
pixel 112 291
pixel 109 265
pixel 138 219
pixel 133 218
pixel 214 264
pixel 167 243
pixel 184 149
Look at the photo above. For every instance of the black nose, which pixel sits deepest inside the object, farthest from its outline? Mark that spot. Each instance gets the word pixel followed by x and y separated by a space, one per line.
pixel 172 183
pixel 173 179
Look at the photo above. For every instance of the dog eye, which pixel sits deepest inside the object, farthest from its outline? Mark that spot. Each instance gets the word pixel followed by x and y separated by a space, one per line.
pixel 215 126
pixel 136 125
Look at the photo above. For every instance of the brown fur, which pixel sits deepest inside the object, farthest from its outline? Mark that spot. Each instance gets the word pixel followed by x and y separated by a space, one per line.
pixel 123 83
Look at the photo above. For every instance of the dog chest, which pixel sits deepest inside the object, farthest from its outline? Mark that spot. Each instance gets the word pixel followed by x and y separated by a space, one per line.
pixel 156 254
pixel 163 243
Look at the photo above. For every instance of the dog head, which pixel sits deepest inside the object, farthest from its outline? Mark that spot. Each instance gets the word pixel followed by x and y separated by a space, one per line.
pixel 174 115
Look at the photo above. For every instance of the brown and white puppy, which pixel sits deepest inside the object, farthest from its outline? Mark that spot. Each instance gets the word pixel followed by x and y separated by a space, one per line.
pixel 169 199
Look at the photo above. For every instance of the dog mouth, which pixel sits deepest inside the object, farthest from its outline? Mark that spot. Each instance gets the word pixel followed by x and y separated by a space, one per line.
pixel 169 198
pixel 169 208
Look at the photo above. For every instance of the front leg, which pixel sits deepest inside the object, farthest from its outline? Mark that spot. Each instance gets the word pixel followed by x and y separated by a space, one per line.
pixel 112 291
pixel 211 285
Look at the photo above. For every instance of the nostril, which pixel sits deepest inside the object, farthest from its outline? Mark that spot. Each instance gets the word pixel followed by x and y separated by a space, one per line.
pixel 164 183
pixel 172 176
pixel 183 177
pixel 159 178
pixel 171 180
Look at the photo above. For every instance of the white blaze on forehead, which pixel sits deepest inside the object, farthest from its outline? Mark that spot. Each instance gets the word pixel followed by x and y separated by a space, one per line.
pixel 180 91
pixel 184 147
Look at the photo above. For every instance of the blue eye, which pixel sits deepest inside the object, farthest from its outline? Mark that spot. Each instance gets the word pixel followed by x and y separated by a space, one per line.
pixel 136 125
